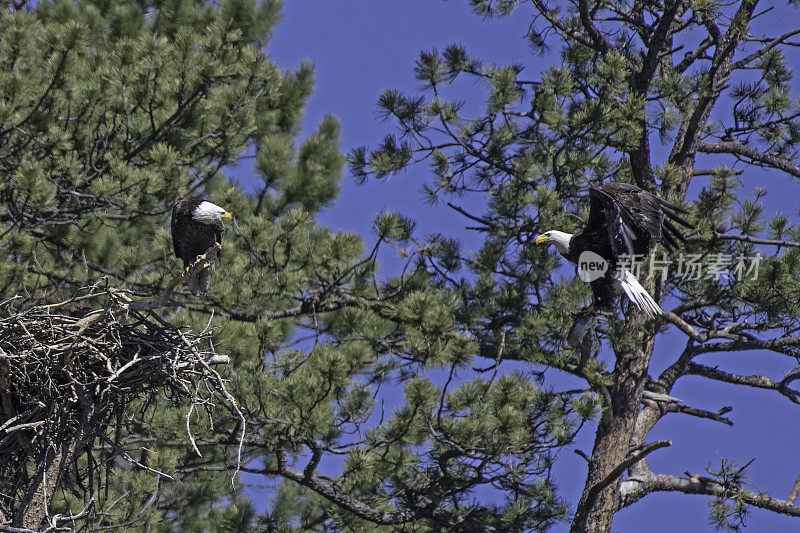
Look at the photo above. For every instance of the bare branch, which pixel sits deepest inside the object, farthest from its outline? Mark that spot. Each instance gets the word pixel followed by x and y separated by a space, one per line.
pixel 656 46
pixel 701 413
pixel 552 17
pixel 686 144
pixel 635 488
pixel 795 491
pixel 629 461
pixel 713 172
pixel 598 40
pixel 743 238
pixel 756 380
pixel 738 342
pixel 200 263
pixel 739 149
pixel 483 221
pixel 772 44
pixel 658 397
pixel 684 326
pixel 741 343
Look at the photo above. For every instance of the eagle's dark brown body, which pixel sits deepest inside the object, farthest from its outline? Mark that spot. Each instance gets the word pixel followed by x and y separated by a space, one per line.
pixel 191 237
pixel 624 220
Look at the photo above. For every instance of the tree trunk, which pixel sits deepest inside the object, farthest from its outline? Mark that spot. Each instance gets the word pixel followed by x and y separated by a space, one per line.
pixel 34 507
pixel 598 501
pixel 40 493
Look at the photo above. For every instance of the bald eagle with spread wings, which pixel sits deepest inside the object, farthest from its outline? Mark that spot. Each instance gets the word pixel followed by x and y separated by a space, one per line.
pixel 624 220
pixel 197 225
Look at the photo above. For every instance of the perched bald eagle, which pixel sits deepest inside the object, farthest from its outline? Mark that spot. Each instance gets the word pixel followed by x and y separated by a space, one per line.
pixel 196 226
pixel 624 220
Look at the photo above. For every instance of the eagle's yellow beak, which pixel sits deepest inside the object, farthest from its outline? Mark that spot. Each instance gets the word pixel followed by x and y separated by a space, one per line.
pixel 224 216
pixel 541 238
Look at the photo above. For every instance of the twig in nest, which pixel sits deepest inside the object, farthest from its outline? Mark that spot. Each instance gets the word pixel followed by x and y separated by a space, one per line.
pixel 127 304
pixel 62 385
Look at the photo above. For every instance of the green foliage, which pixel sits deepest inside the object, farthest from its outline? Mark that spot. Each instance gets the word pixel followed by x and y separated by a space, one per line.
pixel 417 401
pixel 634 93
pixel 110 111
pixel 728 510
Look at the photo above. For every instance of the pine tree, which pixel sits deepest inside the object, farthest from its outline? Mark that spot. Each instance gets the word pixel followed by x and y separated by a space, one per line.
pixel 418 401
pixel 110 111
pixel 648 93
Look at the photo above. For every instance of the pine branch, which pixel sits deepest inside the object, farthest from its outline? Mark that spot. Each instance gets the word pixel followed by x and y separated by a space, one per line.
pixel 795 491
pixel 329 491
pixel 56 78
pixel 306 307
pixel 756 381
pixel 629 461
pixel 552 16
pixel 701 413
pixel 586 18
pixel 739 149
pixel 759 53
pixel 743 238
pixel 423 507
pixel 635 488
pixel 200 263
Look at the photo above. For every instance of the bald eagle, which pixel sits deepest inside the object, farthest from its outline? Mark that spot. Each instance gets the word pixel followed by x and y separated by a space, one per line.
pixel 196 226
pixel 624 220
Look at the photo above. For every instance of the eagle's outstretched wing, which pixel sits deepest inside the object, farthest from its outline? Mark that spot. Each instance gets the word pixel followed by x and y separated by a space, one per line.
pixel 632 217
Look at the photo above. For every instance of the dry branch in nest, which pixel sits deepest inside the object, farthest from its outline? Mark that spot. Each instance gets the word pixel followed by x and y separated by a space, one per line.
pixel 63 379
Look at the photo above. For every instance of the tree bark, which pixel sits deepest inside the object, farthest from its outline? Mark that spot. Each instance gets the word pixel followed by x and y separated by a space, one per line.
pixel 39 495
pixel 34 507
pixel 598 503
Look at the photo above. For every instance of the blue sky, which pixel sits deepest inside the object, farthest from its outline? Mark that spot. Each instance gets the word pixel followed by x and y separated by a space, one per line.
pixel 361 47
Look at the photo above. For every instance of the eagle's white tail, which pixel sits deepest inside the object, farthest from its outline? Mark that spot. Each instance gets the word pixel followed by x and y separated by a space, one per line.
pixel 638 295
pixel 204 281
pixel 193 282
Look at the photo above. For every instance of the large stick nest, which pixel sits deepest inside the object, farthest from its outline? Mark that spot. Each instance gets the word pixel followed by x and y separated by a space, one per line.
pixel 65 376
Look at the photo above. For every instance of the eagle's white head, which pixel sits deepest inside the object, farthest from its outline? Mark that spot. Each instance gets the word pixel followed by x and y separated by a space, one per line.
pixel 559 238
pixel 209 213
